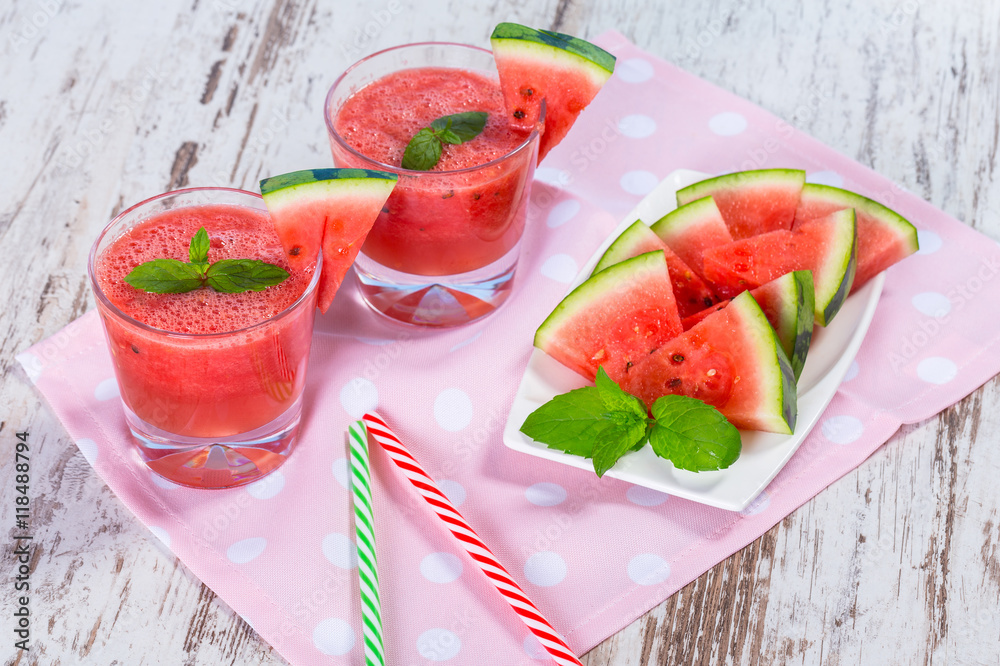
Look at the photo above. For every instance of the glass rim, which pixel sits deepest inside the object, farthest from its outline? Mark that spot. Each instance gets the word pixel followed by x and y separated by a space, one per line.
pixel 533 136
pixel 104 301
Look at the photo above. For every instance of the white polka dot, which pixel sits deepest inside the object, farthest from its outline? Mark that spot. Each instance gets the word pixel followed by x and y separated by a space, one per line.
pixel 545 569
pixel 929 242
pixel 562 212
pixel 160 534
pixel 852 371
pixel 106 390
pixel 358 396
pixel 441 568
pixel 727 123
pixel 341 472
pixel 88 448
pixel 32 365
pixel 534 649
pixel 340 550
pixel 560 267
pixel 637 126
pixel 268 487
pixel 545 494
pixel 634 70
pixel 639 182
pixel 831 178
pixel 553 176
pixel 333 636
pixel 453 409
pixel 648 569
pixel 937 370
pixel 646 496
pixel 757 505
pixel 242 552
pixel 842 429
pixel 453 490
pixel 438 645
pixel 932 304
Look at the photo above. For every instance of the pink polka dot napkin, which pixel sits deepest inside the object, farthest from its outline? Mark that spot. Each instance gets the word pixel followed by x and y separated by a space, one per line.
pixel 592 554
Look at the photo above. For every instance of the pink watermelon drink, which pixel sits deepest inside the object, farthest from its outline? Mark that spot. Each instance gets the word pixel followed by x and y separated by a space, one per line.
pixel 211 382
pixel 444 249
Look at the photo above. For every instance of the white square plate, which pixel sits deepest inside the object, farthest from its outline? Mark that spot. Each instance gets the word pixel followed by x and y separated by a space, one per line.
pixel 763 454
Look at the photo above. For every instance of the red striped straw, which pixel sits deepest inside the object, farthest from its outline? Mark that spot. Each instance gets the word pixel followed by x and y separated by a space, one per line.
pixel 474 546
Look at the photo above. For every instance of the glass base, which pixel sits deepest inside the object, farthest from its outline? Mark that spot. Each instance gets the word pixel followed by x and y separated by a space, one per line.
pixel 216 462
pixel 436 300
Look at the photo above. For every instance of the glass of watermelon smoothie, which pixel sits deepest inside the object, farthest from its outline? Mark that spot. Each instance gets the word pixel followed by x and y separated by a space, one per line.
pixel 211 383
pixel 444 249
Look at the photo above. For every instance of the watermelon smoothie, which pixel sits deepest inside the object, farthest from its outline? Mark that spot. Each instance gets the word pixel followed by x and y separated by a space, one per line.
pixel 444 249
pixel 211 383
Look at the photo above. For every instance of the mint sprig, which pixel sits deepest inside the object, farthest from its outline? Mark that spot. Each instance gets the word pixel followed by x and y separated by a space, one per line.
pixel 424 149
pixel 230 276
pixel 603 422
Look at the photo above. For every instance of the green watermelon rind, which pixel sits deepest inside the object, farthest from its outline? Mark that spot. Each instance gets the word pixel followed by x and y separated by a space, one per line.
pixel 317 182
pixel 623 247
pixel 890 219
pixel 780 393
pixel 678 221
pixel 593 290
pixel 737 180
pixel 797 317
pixel 544 43
pixel 836 275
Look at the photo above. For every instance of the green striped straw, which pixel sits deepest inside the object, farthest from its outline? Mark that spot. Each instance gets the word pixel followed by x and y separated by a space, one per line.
pixel 364 531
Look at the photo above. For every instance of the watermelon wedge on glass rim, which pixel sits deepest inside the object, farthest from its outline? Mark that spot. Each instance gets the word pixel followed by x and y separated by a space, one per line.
pixel 328 209
pixel 535 65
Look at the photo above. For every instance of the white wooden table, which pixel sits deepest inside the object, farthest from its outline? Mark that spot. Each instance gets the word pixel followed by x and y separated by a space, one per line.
pixel 103 103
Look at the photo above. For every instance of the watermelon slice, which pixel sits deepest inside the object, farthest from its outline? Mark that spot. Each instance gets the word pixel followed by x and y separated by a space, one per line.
pixel 332 209
pixel 826 246
pixel 690 291
pixel 614 319
pixel 751 202
pixel 692 229
pixel 789 305
pixel 733 361
pixel 884 237
pixel 535 65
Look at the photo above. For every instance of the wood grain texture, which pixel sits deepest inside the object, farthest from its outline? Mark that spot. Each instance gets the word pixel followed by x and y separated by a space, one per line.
pixel 104 103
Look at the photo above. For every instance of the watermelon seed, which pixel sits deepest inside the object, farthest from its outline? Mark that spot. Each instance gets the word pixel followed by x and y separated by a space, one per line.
pixel 476 195
pixel 295 251
pixel 675 382
pixel 526 92
pixel 711 373
pixel 708 302
pixel 135 349
pixel 519 114
pixel 385 209
pixel 677 358
pixel 449 194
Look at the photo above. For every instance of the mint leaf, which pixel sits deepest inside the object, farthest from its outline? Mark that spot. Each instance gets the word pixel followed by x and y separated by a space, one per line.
pixel 570 422
pixel 165 276
pixel 233 276
pixel 615 442
pixel 423 151
pixel 466 126
pixel 199 247
pixel 617 400
pixel 693 435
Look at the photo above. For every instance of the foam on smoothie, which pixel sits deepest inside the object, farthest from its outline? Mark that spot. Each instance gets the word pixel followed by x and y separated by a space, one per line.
pixel 235 233
pixel 380 119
